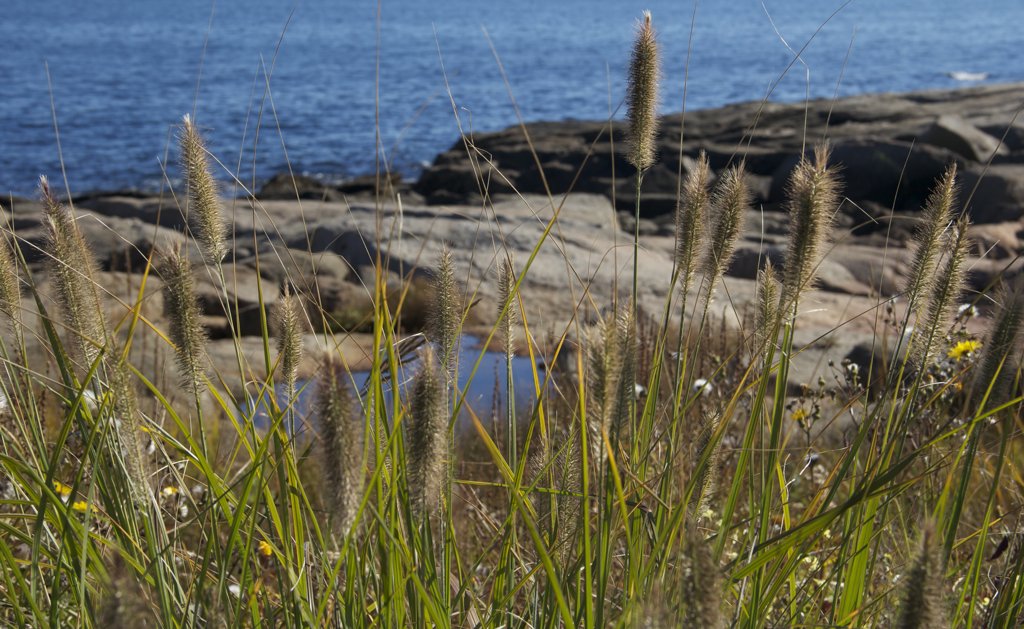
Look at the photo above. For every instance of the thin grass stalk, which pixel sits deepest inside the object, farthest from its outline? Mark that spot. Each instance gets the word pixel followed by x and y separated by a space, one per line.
pixel 969 594
pixel 506 295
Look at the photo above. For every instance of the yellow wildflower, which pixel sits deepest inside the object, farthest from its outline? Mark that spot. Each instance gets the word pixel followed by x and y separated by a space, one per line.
pixel 81 505
pixel 963 347
pixel 266 549
pixel 799 414
pixel 62 490
pixel 167 492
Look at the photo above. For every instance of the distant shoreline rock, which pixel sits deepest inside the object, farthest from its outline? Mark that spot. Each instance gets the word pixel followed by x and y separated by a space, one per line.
pixel 892 147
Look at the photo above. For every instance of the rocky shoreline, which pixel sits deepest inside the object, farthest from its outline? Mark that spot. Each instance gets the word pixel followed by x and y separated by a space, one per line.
pixel 324 239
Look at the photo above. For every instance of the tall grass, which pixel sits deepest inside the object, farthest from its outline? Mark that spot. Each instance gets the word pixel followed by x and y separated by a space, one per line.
pixel 652 489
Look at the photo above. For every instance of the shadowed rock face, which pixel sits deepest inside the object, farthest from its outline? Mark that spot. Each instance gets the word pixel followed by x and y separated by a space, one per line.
pixel 892 148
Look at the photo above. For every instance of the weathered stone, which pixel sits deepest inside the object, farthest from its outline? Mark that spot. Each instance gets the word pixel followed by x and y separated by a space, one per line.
pixel 998 192
pixel 246 290
pixel 279 264
pixel 997 240
pixel 956 134
pixel 287 187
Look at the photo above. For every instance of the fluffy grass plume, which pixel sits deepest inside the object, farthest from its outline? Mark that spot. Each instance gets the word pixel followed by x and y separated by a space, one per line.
pixel 72 267
pixel 289 324
pixel 341 443
pixel 922 606
pixel 181 307
pixel 604 370
pixel 625 397
pixel 812 200
pixel 766 313
pixel 938 212
pixel 426 448
pixel 203 210
pixel 445 316
pixel 10 291
pixel 702 586
pixel 996 365
pixel 730 204
pixel 691 212
pixel 707 475
pixel 128 424
pixel 570 461
pixel 125 603
pixel 943 297
pixel 642 94
pixel 506 288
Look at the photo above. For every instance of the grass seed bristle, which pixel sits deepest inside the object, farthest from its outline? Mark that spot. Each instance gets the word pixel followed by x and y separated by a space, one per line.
pixel 938 213
pixel 72 267
pixel 944 296
pixel 181 307
pixel 203 211
pixel 1000 349
pixel 642 95
pixel 341 443
pixel 426 428
pixel 730 205
pixel 691 213
pixel 812 201
pixel 922 606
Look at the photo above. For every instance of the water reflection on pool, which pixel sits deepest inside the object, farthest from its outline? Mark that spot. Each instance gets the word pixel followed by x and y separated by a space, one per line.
pixel 489 379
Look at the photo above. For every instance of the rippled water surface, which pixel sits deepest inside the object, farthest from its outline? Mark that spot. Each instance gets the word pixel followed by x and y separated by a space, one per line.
pixel 123 71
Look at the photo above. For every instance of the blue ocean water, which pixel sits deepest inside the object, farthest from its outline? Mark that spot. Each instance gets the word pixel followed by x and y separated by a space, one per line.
pixel 124 71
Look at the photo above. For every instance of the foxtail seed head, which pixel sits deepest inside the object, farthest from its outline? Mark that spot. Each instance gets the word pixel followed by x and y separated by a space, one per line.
pixel 10 292
pixel 506 296
pixel 181 307
pixel 945 294
pixel 922 606
pixel 604 370
pixel 690 216
pixel 570 461
pixel 707 443
pixel 813 197
pixel 702 586
pixel 203 211
pixel 124 605
pixel 938 212
pixel 129 430
pixel 445 316
pixel 996 365
pixel 626 396
pixel 642 95
pixel 72 267
pixel 426 448
pixel 731 202
pixel 290 325
pixel 766 315
pixel 341 445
